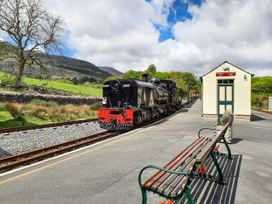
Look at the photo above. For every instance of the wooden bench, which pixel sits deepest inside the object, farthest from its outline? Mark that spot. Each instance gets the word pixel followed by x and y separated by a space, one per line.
pixel 173 180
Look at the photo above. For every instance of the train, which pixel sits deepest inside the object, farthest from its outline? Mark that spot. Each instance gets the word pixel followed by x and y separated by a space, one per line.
pixel 127 103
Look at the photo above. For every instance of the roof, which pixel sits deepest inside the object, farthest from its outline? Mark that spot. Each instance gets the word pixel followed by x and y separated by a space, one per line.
pixel 230 64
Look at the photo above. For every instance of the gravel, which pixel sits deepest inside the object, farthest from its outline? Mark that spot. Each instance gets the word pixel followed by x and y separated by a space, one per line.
pixel 21 142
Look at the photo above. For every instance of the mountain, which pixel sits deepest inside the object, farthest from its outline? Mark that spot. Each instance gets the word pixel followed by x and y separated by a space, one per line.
pixel 80 66
pixel 111 70
pixel 53 66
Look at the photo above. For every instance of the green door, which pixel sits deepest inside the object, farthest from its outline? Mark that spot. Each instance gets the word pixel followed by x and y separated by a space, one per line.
pixel 225 96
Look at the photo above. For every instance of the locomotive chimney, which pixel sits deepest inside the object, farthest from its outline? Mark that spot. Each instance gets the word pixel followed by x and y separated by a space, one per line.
pixel 145 77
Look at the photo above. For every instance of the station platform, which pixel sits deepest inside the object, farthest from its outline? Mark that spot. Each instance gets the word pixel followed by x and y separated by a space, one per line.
pixel 107 172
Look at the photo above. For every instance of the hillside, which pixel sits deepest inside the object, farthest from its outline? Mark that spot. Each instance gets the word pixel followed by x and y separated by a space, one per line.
pixel 111 70
pixel 261 89
pixel 54 66
pixel 75 65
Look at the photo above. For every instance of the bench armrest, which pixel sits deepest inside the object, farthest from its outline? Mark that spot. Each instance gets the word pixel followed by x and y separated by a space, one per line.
pixel 161 169
pixel 204 129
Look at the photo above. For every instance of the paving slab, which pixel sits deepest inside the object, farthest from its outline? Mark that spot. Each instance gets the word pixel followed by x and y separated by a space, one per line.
pixel 107 172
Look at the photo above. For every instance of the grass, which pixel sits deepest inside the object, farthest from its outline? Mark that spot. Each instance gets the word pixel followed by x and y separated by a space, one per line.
pixel 260 101
pixel 42 113
pixel 19 123
pixel 56 85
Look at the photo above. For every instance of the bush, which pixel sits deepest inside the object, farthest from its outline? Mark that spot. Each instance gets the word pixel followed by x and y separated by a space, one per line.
pixel 3 107
pixel 54 113
pixel 83 80
pixel 7 79
pixel 44 103
pixel 259 102
pixel 38 111
pixel 225 118
pixel 15 110
pixel 96 106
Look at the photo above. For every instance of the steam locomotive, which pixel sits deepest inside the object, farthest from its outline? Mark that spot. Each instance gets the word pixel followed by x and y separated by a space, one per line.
pixel 129 102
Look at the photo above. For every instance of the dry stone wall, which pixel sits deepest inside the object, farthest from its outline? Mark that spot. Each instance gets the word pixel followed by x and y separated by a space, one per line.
pixel 26 98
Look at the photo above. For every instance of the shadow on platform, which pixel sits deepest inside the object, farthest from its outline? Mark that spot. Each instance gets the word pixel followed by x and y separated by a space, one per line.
pixel 256 117
pixel 236 140
pixel 207 191
pixel 190 104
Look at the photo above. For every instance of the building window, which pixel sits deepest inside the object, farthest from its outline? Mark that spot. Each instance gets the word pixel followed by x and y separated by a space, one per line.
pixel 225 81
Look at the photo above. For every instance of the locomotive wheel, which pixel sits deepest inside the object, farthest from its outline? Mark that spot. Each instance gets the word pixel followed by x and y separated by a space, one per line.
pixel 138 119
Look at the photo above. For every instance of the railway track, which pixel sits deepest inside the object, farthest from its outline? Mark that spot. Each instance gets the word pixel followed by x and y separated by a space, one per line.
pixel 34 127
pixel 12 162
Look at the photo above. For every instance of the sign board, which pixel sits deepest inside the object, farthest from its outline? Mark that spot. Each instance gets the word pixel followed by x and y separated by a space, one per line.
pixel 223 74
pixel 270 104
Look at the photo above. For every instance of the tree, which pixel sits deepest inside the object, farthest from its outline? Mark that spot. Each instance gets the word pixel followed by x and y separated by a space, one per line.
pixel 190 81
pixel 151 69
pixel 132 74
pixel 31 29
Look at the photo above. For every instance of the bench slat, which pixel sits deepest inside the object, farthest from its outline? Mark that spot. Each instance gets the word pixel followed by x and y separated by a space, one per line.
pixel 180 182
pixel 172 163
pixel 206 151
pixel 175 180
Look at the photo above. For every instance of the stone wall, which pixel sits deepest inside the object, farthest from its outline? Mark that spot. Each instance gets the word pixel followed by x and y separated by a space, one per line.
pixel 26 98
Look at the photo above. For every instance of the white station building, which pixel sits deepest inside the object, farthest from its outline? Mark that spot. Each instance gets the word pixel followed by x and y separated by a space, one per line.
pixel 227 88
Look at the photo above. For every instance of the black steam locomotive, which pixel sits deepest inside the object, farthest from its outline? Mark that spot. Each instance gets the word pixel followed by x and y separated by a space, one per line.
pixel 128 102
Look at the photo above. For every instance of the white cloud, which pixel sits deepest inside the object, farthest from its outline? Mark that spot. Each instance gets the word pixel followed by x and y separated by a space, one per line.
pixel 238 31
pixel 121 33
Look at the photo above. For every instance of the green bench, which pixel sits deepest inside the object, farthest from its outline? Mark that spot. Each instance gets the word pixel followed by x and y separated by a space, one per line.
pixel 172 181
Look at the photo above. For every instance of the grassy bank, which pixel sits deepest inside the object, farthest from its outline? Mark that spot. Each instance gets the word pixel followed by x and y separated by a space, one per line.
pixel 65 86
pixel 261 90
pixel 41 112
pixel 260 101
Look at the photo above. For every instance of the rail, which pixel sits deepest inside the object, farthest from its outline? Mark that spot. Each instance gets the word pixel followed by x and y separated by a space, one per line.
pixel 33 127
pixel 12 162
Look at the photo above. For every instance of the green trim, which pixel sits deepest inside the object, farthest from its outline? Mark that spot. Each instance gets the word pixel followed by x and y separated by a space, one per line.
pixel 227 146
pixel 224 102
pixel 218 168
pixel 189 196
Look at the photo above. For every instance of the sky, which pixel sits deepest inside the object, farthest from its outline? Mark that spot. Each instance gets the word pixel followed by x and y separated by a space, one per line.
pixel 175 35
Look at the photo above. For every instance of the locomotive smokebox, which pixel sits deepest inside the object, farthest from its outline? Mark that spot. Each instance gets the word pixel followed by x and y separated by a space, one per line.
pixel 145 77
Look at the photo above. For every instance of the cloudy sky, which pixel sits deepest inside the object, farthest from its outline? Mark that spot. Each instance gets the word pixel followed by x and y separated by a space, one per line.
pixel 183 35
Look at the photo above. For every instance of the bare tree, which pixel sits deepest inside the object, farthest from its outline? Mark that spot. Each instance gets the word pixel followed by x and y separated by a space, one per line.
pixel 31 29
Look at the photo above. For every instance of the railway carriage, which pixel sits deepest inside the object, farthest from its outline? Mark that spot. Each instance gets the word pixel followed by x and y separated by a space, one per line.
pixel 129 102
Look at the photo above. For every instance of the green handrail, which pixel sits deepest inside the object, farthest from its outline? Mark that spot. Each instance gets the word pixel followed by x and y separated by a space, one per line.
pixel 204 129
pixel 162 169
pixel 158 168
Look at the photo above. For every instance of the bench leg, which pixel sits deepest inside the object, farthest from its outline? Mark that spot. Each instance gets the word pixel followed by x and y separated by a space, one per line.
pixel 189 196
pixel 221 178
pixel 227 146
pixel 144 196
